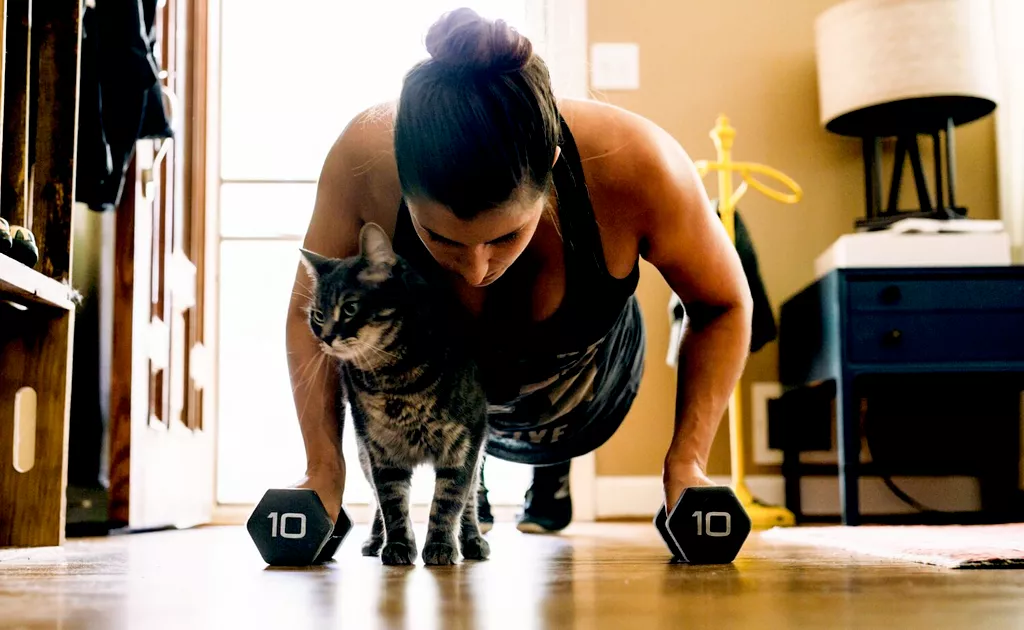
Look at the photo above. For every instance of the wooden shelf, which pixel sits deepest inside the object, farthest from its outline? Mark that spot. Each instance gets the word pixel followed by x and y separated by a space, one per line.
pixel 19 283
pixel 39 81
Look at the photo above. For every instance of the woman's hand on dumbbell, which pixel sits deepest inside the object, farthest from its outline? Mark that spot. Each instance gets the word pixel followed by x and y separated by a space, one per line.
pixel 304 523
pixel 700 522
pixel 680 475
pixel 329 485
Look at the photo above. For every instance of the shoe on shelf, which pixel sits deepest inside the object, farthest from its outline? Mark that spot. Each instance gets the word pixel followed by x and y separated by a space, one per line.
pixel 23 246
pixel 6 239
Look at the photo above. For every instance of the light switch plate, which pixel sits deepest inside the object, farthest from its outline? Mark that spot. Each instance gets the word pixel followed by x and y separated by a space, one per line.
pixel 615 66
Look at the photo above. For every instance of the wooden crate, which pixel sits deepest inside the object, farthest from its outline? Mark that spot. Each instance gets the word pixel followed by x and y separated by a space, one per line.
pixel 37 190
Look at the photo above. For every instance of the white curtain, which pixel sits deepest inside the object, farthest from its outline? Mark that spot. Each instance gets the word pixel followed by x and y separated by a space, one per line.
pixel 1009 24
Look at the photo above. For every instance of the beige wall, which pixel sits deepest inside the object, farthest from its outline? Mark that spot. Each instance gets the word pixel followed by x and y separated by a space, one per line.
pixel 754 63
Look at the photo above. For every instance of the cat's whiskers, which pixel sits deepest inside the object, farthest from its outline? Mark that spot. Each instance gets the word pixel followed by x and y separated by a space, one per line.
pixel 302 380
pixel 319 366
pixel 363 364
pixel 377 349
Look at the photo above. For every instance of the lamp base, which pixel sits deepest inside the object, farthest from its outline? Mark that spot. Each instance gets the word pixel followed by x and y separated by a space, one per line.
pixel 943 206
pixel 884 220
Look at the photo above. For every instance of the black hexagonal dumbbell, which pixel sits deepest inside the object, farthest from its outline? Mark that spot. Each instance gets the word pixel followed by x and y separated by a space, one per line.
pixel 708 525
pixel 290 527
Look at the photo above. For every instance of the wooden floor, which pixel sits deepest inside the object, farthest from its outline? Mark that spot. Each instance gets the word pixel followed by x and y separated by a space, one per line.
pixel 593 576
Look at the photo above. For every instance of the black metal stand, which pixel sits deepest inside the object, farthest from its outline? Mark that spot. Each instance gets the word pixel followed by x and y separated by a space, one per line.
pixel 877 217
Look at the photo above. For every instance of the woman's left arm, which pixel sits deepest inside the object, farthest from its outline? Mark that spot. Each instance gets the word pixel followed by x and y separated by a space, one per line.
pixel 683 237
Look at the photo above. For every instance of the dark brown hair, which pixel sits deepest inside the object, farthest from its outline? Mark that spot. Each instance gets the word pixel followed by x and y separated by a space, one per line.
pixel 477 123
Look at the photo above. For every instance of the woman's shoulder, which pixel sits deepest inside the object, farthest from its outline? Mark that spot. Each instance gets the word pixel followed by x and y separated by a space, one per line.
pixel 630 164
pixel 362 161
pixel 619 148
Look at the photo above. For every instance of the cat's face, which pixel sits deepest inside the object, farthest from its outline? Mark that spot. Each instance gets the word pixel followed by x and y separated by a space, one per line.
pixel 358 303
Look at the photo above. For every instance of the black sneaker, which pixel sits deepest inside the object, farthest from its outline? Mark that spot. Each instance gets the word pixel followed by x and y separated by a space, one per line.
pixel 483 506
pixel 483 511
pixel 548 506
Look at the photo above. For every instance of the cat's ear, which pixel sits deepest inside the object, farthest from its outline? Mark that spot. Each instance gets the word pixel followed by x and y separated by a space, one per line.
pixel 316 265
pixel 375 245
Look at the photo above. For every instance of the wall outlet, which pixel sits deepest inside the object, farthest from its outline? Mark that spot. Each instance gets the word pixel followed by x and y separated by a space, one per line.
pixel 615 66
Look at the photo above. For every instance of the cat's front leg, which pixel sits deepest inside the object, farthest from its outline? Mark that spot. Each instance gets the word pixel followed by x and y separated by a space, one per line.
pixel 474 546
pixel 392 487
pixel 452 487
pixel 375 542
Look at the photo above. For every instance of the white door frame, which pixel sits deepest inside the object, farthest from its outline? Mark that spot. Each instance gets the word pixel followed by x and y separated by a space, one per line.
pixel 564 48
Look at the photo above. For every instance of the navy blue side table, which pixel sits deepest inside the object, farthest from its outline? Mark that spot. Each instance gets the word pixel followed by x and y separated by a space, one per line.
pixel 857 322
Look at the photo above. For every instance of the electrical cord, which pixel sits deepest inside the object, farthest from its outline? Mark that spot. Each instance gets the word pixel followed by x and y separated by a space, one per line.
pixel 906 498
pixel 898 492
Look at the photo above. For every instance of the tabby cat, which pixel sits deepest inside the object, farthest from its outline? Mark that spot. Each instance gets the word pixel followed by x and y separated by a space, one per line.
pixel 414 395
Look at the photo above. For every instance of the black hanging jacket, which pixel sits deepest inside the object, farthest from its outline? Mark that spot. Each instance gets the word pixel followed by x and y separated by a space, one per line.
pixel 121 100
pixel 763 326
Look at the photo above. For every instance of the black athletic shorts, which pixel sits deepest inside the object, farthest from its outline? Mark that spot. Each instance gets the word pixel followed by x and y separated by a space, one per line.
pixel 577 409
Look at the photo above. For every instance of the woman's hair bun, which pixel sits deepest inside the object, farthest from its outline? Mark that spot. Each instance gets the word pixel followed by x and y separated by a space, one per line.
pixel 463 39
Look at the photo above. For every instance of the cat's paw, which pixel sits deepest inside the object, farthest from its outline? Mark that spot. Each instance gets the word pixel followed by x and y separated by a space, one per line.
pixel 398 554
pixel 373 545
pixel 476 548
pixel 439 553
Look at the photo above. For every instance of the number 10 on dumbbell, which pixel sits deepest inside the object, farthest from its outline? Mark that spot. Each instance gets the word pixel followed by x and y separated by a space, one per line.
pixel 291 528
pixel 706 526
pixel 296 531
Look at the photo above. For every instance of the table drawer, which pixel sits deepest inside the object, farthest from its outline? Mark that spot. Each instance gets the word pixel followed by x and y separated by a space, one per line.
pixel 936 337
pixel 925 294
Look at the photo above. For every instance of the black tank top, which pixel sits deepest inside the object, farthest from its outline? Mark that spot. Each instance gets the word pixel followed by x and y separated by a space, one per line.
pixel 559 387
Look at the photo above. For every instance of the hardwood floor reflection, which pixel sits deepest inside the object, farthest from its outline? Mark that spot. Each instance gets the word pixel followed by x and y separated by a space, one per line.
pixel 593 576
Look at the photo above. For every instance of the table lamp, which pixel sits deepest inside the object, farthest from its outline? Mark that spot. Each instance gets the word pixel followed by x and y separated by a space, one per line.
pixel 906 68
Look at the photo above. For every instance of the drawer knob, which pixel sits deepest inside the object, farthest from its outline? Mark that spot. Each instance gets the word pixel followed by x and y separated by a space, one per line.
pixel 890 294
pixel 893 337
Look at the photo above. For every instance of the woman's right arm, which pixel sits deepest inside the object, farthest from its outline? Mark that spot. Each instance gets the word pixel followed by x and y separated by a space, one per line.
pixel 354 187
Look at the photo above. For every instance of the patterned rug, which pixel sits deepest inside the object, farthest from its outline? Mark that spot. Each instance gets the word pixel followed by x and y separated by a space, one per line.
pixel 952 546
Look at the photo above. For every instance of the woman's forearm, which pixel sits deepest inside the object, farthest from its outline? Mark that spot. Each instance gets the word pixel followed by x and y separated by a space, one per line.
pixel 315 390
pixel 712 355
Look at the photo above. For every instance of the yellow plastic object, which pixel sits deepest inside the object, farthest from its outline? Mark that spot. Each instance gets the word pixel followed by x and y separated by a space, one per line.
pixel 762 516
